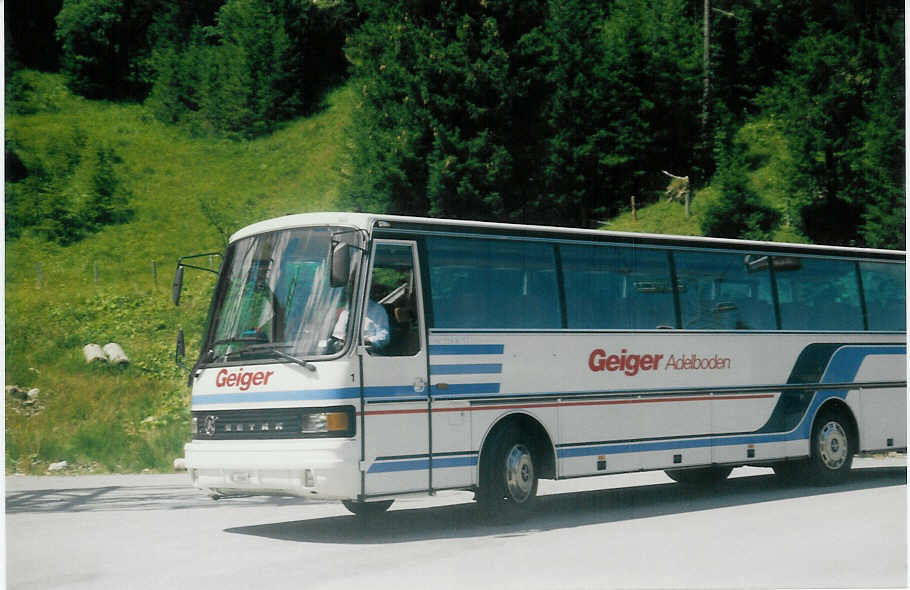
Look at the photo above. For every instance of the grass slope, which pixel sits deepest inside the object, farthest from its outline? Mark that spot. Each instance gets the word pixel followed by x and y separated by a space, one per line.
pixel 107 418
pixel 188 195
pixel 769 162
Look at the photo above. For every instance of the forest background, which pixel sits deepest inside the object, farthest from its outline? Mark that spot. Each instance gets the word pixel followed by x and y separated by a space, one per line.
pixel 137 131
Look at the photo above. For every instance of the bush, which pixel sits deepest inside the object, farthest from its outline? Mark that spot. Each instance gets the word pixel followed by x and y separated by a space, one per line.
pixel 261 63
pixel 46 196
pixel 104 47
pixel 738 211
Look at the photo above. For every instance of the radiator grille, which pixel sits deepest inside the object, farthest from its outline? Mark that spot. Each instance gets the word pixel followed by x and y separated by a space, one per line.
pixel 275 423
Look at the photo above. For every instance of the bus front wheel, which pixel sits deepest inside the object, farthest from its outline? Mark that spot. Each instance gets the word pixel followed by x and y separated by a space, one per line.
pixel 508 487
pixel 832 448
pixel 367 509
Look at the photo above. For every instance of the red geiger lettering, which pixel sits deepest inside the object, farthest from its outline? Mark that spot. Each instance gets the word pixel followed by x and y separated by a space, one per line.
pixel 630 364
pixel 242 379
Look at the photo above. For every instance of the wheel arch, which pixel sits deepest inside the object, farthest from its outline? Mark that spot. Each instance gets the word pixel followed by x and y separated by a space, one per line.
pixel 541 441
pixel 839 406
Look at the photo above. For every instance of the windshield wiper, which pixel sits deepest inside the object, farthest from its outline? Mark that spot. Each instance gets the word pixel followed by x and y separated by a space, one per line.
pixel 305 364
pixel 260 344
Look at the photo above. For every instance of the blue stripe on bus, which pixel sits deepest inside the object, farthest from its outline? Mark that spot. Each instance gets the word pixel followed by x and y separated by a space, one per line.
pixel 387 391
pixel 300 395
pixel 465 349
pixel 422 464
pixel 845 363
pixel 467 389
pixel 304 395
pixel 842 368
pixel 478 369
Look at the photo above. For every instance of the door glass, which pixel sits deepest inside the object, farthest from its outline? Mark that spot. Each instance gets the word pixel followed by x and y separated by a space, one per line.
pixel 390 326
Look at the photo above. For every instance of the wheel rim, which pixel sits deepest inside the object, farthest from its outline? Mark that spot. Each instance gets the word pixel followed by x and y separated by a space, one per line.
pixel 832 445
pixel 519 473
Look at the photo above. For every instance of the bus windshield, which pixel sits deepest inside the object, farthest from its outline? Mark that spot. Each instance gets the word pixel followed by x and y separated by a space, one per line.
pixel 274 297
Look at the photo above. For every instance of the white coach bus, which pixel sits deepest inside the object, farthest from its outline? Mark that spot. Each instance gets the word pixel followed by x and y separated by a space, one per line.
pixel 362 357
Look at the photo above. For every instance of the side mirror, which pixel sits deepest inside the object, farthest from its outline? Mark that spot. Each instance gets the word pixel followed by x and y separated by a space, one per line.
pixel 178 285
pixel 339 264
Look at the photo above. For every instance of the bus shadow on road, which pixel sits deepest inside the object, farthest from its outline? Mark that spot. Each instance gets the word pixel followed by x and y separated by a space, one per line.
pixel 561 510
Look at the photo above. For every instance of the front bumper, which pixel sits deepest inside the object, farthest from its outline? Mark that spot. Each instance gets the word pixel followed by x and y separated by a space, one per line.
pixel 313 468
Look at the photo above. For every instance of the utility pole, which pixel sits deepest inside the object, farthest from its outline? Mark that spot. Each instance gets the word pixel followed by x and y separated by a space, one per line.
pixel 706 83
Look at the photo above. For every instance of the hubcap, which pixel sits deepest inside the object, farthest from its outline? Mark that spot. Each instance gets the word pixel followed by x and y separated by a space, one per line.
pixel 832 445
pixel 519 473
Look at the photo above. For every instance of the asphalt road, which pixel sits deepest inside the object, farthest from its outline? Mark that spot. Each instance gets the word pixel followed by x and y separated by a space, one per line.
pixel 628 531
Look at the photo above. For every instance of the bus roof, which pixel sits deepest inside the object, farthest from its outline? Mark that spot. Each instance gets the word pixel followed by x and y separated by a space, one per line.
pixel 392 223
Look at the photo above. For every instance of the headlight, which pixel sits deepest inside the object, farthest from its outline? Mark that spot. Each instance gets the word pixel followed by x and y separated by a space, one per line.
pixel 194 427
pixel 327 422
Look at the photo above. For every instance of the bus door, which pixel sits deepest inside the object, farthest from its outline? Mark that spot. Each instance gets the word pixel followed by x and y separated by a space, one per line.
pixel 395 382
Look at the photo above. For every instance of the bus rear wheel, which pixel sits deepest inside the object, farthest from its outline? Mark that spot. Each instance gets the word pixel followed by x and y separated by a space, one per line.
pixel 367 509
pixel 702 476
pixel 508 488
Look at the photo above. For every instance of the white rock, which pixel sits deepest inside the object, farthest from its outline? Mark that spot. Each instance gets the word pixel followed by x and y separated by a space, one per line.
pixel 93 353
pixel 33 393
pixel 179 464
pixel 115 354
pixel 57 466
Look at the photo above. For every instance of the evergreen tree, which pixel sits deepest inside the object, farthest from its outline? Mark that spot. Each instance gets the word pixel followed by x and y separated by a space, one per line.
pixel 837 101
pixel 105 48
pixel 450 122
pixel 261 62
pixel 580 186
pixel 653 93
pixel 738 211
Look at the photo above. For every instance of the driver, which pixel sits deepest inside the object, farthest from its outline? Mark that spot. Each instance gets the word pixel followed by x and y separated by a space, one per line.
pixel 375 326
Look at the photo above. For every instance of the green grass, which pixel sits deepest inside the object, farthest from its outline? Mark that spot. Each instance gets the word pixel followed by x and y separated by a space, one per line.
pixel 126 419
pixel 106 418
pixel 769 162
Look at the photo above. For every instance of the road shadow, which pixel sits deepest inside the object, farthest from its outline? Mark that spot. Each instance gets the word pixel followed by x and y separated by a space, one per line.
pixel 126 498
pixel 560 511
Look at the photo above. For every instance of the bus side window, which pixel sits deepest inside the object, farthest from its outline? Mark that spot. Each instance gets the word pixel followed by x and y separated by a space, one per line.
pixel 391 323
pixel 818 294
pixel 885 292
pixel 493 284
pixel 723 292
pixel 617 287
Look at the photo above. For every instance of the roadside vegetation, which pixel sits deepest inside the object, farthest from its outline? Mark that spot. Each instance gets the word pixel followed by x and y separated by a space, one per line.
pixel 137 132
pixel 187 195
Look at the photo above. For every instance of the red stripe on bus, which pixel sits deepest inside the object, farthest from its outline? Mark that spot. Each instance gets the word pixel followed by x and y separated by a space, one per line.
pixel 569 404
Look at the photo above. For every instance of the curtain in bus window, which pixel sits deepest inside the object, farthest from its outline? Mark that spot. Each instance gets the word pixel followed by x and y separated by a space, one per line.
pixel 817 294
pixel 885 292
pixel 617 287
pixel 723 291
pixel 496 284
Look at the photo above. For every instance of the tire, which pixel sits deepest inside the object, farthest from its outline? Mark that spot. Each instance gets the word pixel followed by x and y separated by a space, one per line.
pixel 508 482
pixel 702 476
pixel 367 509
pixel 831 448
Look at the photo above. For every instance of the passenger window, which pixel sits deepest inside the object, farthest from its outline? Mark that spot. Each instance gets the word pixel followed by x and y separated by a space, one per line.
pixel 817 294
pixel 724 291
pixel 885 292
pixel 390 324
pixel 617 287
pixel 496 284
